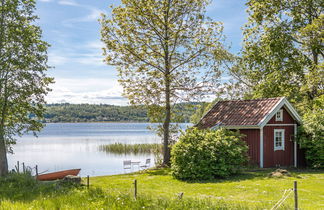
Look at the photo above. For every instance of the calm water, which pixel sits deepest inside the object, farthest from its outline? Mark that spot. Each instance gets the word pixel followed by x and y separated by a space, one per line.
pixel 63 146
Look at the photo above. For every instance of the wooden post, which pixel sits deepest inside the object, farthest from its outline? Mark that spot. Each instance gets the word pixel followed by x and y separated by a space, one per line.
pixel 36 169
pixel 135 189
pixel 180 195
pixel 24 167
pixel 296 195
pixel 17 166
pixel 88 181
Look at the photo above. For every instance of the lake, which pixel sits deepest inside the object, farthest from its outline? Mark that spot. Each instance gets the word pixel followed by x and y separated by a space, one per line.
pixel 61 146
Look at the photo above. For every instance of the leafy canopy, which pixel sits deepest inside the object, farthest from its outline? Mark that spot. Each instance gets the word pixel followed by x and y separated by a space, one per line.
pixel 165 51
pixel 283 50
pixel 23 63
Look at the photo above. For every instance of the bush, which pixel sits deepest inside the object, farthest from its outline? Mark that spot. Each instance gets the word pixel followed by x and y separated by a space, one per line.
pixel 207 154
pixel 311 134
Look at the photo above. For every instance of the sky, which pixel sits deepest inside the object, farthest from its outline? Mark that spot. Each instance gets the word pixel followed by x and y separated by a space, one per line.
pixel 72 29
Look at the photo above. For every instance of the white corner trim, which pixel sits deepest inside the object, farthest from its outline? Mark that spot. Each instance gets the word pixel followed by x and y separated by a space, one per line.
pixel 293 111
pixel 275 109
pixel 295 145
pixel 272 112
pixel 261 147
pixel 282 147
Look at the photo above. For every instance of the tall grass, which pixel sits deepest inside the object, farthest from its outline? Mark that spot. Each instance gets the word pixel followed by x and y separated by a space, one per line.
pixel 120 148
pixel 97 198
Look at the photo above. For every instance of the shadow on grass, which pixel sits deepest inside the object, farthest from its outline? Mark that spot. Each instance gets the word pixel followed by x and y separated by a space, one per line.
pixel 24 187
pixel 246 174
pixel 159 172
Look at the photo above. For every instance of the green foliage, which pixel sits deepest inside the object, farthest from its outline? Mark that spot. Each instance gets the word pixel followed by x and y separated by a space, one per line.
pixel 283 51
pixel 165 52
pixel 94 113
pixel 159 43
pixel 108 113
pixel 311 134
pixel 120 148
pixel 201 110
pixel 283 55
pixel 207 154
pixel 23 64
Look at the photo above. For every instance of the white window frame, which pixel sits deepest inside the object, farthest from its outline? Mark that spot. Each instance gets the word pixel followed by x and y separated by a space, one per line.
pixel 282 147
pixel 280 118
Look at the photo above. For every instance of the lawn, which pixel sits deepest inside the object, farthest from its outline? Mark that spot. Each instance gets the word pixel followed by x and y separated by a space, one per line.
pixel 157 189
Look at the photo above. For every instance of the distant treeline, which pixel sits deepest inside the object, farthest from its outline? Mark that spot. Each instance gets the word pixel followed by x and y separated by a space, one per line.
pixel 106 113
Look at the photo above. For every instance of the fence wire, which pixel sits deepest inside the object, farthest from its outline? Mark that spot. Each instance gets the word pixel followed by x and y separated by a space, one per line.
pixel 285 195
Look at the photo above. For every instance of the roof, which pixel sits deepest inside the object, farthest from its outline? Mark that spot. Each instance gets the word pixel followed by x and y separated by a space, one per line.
pixel 245 113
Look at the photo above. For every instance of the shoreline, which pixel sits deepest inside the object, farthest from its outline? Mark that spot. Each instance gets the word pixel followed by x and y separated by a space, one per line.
pixel 116 122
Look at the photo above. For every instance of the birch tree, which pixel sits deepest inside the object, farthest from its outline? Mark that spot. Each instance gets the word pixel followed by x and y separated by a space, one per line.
pixel 166 51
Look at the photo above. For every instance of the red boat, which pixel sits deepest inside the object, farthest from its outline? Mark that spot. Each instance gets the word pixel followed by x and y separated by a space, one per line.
pixel 57 175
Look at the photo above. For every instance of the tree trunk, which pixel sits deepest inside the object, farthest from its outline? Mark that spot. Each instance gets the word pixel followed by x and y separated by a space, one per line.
pixel 3 155
pixel 166 125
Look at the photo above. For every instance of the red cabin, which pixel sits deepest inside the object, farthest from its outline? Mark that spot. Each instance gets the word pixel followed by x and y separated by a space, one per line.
pixel 269 125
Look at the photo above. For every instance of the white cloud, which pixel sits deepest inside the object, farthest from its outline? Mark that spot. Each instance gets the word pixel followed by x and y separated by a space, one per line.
pixel 55 59
pixel 45 0
pixel 88 54
pixel 68 2
pixel 92 90
pixel 93 15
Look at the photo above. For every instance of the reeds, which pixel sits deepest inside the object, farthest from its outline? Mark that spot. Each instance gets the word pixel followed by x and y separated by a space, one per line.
pixel 120 148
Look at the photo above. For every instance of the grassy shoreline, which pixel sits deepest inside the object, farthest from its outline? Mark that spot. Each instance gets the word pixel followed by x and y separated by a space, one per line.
pixel 157 189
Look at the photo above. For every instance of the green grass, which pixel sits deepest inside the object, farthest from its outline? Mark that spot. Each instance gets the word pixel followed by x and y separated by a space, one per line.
pixel 158 190
pixel 120 148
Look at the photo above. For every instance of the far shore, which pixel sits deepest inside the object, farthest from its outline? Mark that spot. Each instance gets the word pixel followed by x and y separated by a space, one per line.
pixel 113 122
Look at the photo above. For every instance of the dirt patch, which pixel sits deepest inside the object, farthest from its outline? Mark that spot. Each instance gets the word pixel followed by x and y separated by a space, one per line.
pixel 279 173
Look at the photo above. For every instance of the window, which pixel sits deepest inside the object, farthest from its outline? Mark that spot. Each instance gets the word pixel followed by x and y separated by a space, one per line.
pixel 279 116
pixel 279 139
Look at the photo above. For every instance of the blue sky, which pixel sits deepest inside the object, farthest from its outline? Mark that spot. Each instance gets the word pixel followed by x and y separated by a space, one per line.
pixel 73 30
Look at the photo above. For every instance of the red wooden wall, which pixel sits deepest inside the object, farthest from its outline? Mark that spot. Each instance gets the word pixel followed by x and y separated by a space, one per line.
pixel 284 157
pixel 271 158
pixel 287 119
pixel 252 139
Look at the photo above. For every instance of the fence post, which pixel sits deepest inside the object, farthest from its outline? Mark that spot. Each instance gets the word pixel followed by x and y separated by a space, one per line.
pixel 36 169
pixel 18 167
pixel 24 169
pixel 135 189
pixel 88 181
pixel 296 195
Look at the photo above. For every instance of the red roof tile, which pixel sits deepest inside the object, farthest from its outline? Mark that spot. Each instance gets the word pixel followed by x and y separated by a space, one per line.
pixel 238 112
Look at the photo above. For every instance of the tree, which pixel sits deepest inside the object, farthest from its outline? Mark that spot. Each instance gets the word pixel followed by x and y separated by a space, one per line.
pixel 165 51
pixel 283 50
pixel 23 83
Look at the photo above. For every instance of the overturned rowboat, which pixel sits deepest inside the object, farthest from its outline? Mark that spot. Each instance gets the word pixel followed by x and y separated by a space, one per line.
pixel 58 175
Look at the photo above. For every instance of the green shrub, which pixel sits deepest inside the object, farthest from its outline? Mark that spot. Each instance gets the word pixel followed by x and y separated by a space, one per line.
pixel 207 154
pixel 311 134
